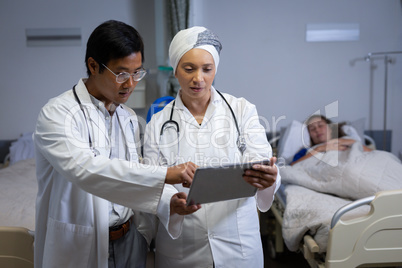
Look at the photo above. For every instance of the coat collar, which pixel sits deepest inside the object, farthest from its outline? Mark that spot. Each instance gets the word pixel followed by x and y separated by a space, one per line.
pixel 85 97
pixel 216 99
pixel 82 92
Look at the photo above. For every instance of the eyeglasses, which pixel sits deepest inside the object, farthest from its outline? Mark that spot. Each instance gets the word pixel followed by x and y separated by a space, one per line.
pixel 124 76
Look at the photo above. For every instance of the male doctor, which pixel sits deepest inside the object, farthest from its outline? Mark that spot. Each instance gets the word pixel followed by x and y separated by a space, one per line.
pixel 90 181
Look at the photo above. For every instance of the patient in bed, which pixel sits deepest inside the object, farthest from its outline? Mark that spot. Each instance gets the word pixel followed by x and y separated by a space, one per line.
pixel 338 165
pixel 324 136
pixel 327 175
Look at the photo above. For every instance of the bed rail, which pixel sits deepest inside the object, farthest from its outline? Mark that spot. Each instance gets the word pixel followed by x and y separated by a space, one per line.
pixel 372 239
pixel 358 203
pixel 16 247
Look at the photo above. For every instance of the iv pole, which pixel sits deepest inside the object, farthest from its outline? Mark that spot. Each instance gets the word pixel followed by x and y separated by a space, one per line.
pixel 387 60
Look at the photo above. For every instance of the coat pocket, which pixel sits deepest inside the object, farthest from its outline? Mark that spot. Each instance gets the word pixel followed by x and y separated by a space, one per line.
pixel 249 228
pixel 67 245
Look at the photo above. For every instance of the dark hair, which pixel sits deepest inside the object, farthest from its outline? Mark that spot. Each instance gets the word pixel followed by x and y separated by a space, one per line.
pixel 112 40
pixel 336 128
pixel 329 122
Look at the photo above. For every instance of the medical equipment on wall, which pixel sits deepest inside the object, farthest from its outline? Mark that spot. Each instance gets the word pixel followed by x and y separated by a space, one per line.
pixel 172 124
pixel 387 60
pixel 91 142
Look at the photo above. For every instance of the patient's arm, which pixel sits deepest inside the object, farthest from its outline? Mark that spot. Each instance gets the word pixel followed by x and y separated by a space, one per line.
pixel 346 143
pixel 331 145
pixel 309 154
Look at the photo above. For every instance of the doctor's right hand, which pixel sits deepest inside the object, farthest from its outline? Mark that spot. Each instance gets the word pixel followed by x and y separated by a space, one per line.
pixel 178 204
pixel 182 173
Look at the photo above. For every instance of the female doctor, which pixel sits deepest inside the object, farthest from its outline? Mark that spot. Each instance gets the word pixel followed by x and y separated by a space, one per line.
pixel 208 128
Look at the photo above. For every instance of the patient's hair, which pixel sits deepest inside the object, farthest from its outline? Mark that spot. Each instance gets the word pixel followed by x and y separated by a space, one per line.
pixel 336 128
pixel 113 40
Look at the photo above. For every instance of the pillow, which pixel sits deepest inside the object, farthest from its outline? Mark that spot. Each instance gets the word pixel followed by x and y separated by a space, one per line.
pixel 358 125
pixel 22 149
pixel 295 138
pixel 352 133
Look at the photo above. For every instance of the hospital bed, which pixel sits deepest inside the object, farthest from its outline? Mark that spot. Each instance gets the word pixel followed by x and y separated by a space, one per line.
pixel 18 185
pixel 335 231
pixel 372 236
pixel 18 188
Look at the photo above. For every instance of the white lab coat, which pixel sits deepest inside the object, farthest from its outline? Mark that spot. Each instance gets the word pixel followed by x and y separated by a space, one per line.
pixel 72 220
pixel 226 233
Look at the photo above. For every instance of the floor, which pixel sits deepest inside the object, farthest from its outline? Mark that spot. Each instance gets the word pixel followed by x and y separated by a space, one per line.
pixel 268 228
pixel 286 259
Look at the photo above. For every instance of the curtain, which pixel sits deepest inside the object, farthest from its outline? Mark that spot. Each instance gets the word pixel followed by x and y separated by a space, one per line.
pixel 178 19
pixel 178 16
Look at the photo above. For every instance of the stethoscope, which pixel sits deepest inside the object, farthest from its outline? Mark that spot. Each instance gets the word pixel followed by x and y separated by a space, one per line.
pixel 240 142
pixel 91 143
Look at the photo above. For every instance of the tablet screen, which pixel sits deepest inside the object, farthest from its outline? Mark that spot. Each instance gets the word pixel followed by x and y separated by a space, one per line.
pixel 213 184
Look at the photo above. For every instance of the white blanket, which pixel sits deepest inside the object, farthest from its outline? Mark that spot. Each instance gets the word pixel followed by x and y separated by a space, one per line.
pixel 18 189
pixel 352 174
pixel 310 212
pixel 346 176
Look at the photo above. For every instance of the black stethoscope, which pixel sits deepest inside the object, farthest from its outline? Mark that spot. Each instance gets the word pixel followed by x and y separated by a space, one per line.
pixel 91 143
pixel 240 142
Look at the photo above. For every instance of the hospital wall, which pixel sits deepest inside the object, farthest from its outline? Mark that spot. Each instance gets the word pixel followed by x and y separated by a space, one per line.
pixel 265 57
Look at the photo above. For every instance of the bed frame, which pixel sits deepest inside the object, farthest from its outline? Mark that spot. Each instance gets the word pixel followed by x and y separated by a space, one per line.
pixel 16 247
pixel 374 240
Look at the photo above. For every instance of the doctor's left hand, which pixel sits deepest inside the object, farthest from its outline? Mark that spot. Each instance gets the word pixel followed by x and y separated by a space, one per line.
pixel 262 176
pixel 178 204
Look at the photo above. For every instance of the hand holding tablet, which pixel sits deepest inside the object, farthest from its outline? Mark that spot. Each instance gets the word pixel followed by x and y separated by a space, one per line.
pixel 213 184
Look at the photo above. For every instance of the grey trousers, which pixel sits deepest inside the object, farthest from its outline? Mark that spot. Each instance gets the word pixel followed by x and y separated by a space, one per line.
pixel 129 251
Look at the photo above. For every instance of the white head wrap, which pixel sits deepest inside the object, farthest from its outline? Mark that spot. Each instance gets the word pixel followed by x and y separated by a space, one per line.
pixel 194 37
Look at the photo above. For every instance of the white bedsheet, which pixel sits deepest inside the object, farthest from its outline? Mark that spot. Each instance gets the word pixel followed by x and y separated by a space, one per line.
pixel 18 189
pixel 346 176
pixel 352 174
pixel 310 212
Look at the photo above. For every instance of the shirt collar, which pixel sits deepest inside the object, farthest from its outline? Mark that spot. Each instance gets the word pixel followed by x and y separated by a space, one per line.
pixel 101 106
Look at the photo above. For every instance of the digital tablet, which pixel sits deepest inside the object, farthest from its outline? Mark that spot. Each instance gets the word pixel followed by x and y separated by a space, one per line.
pixel 213 184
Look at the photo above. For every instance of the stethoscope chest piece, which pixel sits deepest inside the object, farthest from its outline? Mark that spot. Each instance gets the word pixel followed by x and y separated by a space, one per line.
pixel 95 151
pixel 241 143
